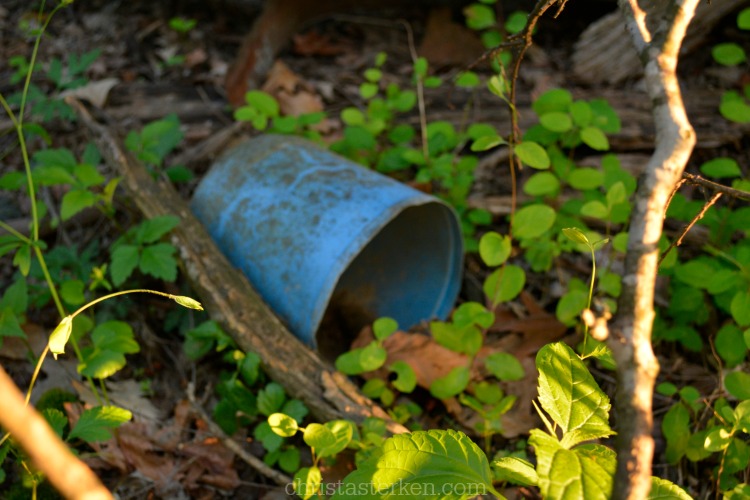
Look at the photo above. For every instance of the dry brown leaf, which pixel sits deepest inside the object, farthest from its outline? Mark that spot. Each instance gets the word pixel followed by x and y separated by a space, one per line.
pixel 447 43
pixel 295 96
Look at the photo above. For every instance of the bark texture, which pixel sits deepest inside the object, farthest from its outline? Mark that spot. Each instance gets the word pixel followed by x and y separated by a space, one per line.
pixel 71 477
pixel 630 334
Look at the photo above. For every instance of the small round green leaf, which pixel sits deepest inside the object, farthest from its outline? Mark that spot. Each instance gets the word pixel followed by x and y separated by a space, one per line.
pixel 533 155
pixel 406 379
pixel 743 19
pixel 494 249
pixel 594 138
pixel 728 54
pixel 541 184
pixel 307 482
pixel 504 366
pixel 452 384
pixel 504 284
pixel 586 178
pixel 533 221
pixel 283 425
pixel 384 327
pixel 556 121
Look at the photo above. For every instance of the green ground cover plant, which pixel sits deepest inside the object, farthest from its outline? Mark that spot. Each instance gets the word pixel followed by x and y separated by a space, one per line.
pixel 572 210
pixel 60 275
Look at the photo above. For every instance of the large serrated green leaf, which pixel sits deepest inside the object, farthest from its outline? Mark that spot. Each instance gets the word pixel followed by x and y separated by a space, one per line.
pixel 424 464
pixel 95 423
pixel 158 261
pixel 568 392
pixel 661 489
pixel 585 472
pixel 516 470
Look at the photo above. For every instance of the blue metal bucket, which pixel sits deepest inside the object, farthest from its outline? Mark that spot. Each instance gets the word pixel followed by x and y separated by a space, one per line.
pixel 319 236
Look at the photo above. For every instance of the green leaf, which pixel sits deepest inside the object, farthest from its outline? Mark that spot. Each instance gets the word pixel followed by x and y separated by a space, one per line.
pixel 717 439
pixel 271 398
pixel 22 259
pixel 556 121
pixel 581 113
pixel 728 54
pixel 361 360
pixel 696 273
pixel 594 138
pixel 9 325
pixel 74 201
pixel 473 313
pixel 571 474
pixel 342 432
pixel 552 100
pixel 568 392
pixel 368 90
pixel 616 194
pixel 734 107
pixel 516 22
pixel 494 249
pixel 153 229
pixel 487 142
pixel 740 308
pixel 263 102
pixel 112 340
pixel 730 345
pixel 533 155
pixel 384 327
pixel 124 261
pixel 738 384
pixel 88 175
pixel 595 209
pixel 479 17
pixel 533 221
pixel 71 292
pixel 467 79
pixel 283 425
pixel 94 424
pixel 504 284
pixel 410 465
pixel 56 419
pixel 158 261
pixel 307 482
pixel 515 470
pixel 541 184
pixel 676 430
pixel 289 460
pixel 721 168
pixel 463 339
pixel 504 366
pixel 452 384
pixel 661 489
pixel 406 380
pixel 584 179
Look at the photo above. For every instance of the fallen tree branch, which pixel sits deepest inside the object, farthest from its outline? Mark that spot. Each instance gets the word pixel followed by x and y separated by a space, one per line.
pixel 230 299
pixel 630 333
pixel 71 477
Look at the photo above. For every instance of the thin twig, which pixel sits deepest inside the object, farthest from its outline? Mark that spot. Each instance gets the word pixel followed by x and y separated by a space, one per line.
pixel 700 181
pixel 690 225
pixel 254 462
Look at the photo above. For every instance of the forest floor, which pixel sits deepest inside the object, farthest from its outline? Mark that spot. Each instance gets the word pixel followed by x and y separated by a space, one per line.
pixel 147 71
